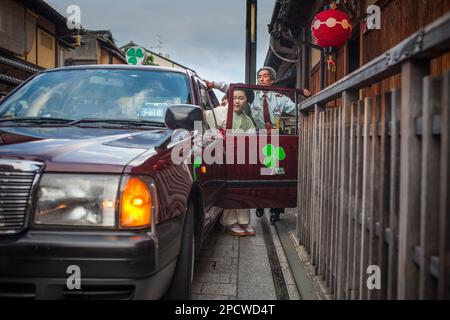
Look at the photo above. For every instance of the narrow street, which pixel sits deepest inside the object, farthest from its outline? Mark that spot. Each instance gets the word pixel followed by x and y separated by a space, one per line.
pixel 239 268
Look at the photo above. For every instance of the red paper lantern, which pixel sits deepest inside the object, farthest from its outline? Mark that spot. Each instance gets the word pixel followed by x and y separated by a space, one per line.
pixel 331 28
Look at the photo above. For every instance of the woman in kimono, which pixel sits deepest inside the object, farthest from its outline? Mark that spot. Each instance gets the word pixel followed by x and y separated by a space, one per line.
pixel 237 221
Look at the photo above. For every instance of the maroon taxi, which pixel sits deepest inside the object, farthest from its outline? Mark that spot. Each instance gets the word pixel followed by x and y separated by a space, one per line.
pixel 92 204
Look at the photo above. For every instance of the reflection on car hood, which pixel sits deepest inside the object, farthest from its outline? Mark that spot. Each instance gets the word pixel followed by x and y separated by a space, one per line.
pixel 77 149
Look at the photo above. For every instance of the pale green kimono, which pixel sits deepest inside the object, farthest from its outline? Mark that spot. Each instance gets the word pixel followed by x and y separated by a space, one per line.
pixel 242 123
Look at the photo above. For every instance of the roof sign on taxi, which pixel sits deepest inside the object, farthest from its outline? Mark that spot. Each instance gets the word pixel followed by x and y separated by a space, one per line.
pixel 136 55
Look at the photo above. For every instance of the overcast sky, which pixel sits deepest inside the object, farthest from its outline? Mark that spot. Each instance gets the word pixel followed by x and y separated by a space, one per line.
pixel 205 35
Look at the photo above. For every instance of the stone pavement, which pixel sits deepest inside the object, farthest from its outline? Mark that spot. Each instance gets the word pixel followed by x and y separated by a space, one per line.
pixel 238 268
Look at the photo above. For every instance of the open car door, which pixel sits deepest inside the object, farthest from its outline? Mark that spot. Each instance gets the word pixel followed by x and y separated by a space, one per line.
pixel 261 159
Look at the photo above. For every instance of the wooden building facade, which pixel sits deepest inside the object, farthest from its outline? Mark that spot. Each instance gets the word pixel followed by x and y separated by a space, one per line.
pixel 399 19
pixel 29 34
pixel 97 47
pixel 34 37
pixel 374 149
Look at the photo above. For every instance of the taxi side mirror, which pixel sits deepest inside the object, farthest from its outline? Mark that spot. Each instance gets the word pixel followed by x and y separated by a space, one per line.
pixel 183 116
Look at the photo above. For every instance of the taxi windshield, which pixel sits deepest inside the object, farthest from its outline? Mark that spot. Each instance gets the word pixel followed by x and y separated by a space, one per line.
pixel 141 95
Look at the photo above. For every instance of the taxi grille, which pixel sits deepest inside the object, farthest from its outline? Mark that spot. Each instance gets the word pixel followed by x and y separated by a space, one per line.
pixel 15 189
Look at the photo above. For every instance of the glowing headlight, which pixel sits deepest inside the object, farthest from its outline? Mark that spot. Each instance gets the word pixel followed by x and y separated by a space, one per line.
pixel 80 200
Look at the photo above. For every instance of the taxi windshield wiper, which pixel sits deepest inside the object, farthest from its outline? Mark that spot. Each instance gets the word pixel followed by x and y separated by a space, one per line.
pixel 121 122
pixel 36 120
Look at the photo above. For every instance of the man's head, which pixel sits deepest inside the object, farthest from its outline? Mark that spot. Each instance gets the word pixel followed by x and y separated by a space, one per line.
pixel 266 76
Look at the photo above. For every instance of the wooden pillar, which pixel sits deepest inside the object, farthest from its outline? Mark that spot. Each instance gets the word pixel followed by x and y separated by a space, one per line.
pixel 444 206
pixel 429 201
pixel 301 161
pixel 413 73
pixel 348 98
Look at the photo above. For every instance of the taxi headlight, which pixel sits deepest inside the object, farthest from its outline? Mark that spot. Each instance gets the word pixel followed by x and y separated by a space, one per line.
pixel 77 200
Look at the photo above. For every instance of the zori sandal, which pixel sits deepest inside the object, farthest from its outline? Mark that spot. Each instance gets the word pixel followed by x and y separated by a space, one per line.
pixel 236 230
pixel 249 231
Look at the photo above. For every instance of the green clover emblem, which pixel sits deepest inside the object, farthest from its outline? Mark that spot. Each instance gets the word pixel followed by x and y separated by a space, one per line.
pixel 272 155
pixel 197 163
pixel 135 55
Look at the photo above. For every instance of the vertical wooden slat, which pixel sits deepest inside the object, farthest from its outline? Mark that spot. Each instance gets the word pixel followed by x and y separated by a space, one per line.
pixel 328 197
pixel 359 159
pixel 313 188
pixel 385 152
pixel 366 196
pixel 308 189
pixel 429 201
pixel 300 177
pixel 319 185
pixel 323 209
pixel 373 214
pixel 331 196
pixel 301 156
pixel 322 194
pixel 317 207
pixel 304 190
pixel 349 271
pixel 394 200
pixel 316 184
pixel 305 183
pixel 347 99
pixel 305 208
pixel 444 207
pixel 337 195
pixel 333 201
pixel 413 73
pixel 325 194
pixel 310 180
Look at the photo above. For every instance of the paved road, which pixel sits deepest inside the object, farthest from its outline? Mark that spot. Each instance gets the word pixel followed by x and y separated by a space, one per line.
pixel 238 268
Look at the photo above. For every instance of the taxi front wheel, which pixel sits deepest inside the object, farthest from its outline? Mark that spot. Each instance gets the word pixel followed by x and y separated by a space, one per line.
pixel 181 286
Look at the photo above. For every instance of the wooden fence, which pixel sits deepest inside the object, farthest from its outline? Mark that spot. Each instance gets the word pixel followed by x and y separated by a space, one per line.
pixel 374 177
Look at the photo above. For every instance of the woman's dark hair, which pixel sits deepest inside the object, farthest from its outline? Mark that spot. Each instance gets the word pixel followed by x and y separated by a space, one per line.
pixel 248 93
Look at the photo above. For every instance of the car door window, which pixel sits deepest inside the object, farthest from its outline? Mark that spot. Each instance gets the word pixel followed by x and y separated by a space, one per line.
pixel 205 99
pixel 210 115
pixel 213 99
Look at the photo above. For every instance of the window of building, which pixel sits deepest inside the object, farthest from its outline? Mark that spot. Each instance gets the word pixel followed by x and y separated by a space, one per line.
pixel 354 53
pixel 12 27
pixel 31 46
pixel 315 57
pixel 105 57
pixel 46 53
